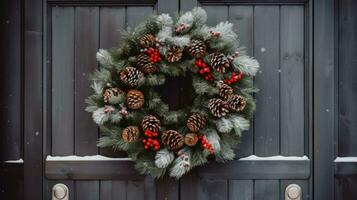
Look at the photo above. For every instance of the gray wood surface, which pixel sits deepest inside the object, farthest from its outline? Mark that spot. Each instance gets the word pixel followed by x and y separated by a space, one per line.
pixel 266 190
pixel 266 50
pixel 113 190
pixel 88 190
pixel 292 80
pixel 241 189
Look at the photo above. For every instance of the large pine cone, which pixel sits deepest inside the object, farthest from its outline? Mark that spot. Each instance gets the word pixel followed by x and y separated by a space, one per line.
pixel 236 103
pixel 151 123
pixel 191 139
pixel 135 99
pixel 197 48
pixel 174 54
pixel 147 41
pixel 131 76
pixel 218 107
pixel 196 122
pixel 224 90
pixel 144 65
pixel 172 139
pixel 112 95
pixel 130 134
pixel 219 62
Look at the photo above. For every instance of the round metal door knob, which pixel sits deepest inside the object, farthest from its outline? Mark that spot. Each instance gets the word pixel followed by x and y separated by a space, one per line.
pixel 293 191
pixel 60 192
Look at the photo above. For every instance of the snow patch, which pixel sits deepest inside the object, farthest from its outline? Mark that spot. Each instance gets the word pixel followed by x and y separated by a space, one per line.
pixel 84 158
pixel 346 159
pixel 279 157
pixel 14 161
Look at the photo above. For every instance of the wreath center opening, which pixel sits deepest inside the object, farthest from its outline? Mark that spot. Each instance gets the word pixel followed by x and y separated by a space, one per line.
pixel 177 92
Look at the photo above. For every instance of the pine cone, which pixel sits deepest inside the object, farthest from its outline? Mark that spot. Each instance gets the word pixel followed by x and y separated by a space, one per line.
pixel 191 139
pixel 197 48
pixel 130 134
pixel 218 107
pixel 172 139
pixel 135 99
pixel 144 65
pixel 224 90
pixel 219 62
pixel 147 41
pixel 151 123
pixel 236 103
pixel 174 54
pixel 112 95
pixel 196 122
pixel 131 76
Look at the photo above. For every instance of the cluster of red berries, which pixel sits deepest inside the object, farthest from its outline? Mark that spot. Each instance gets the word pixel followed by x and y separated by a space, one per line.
pixel 151 141
pixel 204 69
pixel 234 78
pixel 206 145
pixel 154 55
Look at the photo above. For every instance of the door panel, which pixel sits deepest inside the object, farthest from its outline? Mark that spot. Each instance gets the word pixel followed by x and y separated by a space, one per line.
pixel 274 34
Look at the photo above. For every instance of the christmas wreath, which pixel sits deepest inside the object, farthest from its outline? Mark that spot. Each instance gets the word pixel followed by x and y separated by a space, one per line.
pixel 127 106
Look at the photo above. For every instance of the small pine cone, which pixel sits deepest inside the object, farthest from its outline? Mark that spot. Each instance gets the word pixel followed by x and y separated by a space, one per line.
pixel 224 90
pixel 151 123
pixel 131 76
pixel 130 134
pixel 197 48
pixel 236 103
pixel 218 107
pixel 144 65
pixel 135 99
pixel 112 95
pixel 219 62
pixel 196 122
pixel 172 139
pixel 174 54
pixel 147 41
pixel 191 139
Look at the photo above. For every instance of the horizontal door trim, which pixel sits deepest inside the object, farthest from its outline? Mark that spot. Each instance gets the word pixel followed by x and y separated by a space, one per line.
pixel 345 166
pixel 252 2
pixel 100 2
pixel 123 169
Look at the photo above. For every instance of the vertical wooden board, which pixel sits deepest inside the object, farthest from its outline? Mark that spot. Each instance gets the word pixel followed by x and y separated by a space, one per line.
pixel 213 190
pixel 167 188
pixel 292 80
pixel 347 79
pixel 112 23
pixel 187 5
pixel 216 14
pixel 346 188
pixel 304 184
pixel 266 190
pixel 136 14
pixel 168 6
pixel 242 18
pixel 88 190
pixel 113 190
pixel 241 190
pixel 62 80
pixel 135 190
pixel 86 45
pixel 266 50
pixel 149 188
pixel 190 186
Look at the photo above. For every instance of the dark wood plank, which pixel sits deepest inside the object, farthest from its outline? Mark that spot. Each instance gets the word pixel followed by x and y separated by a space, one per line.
pixel 343 169
pixel 167 188
pixel 11 124
pixel 324 102
pixel 92 170
pixel 266 189
pixel 347 73
pixel 216 14
pixel 149 188
pixel 232 2
pixel 214 189
pixel 135 190
pixel 187 5
pixel 100 2
pixel 113 190
pixel 87 190
pixel 62 80
pixel 112 23
pixel 168 6
pixel 292 80
pixel 242 18
pixel 267 169
pixel 86 46
pixel 33 66
pixel 266 50
pixel 241 189
pixel 137 14
pixel 190 188
pixel 346 188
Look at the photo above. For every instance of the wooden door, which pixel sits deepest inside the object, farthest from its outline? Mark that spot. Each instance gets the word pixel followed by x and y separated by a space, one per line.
pixel 276 33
